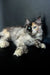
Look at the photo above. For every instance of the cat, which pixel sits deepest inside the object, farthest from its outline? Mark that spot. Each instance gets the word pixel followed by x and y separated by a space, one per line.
pixel 37 31
pixel 28 35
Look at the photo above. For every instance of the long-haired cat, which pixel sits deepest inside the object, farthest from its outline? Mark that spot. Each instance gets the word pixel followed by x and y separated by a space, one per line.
pixel 29 35
pixel 37 30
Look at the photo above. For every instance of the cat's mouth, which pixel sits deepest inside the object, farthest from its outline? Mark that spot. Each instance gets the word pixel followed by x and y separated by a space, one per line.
pixel 33 34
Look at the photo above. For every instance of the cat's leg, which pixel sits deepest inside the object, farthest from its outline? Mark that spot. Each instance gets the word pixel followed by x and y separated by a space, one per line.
pixel 38 44
pixel 43 45
pixel 18 51
pixel 21 49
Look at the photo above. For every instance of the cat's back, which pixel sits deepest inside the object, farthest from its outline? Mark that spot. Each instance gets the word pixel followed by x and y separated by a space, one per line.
pixel 14 28
pixel 13 31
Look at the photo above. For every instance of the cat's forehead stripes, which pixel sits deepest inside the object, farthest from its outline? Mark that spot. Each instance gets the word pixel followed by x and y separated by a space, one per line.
pixel 33 23
pixel 37 24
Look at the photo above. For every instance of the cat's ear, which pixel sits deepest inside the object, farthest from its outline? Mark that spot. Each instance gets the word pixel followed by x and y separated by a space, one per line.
pixel 38 20
pixel 27 22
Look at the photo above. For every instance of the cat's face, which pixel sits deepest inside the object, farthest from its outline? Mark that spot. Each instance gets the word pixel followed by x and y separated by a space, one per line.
pixel 34 26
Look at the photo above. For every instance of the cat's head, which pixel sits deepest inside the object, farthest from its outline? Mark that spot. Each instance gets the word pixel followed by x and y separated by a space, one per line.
pixel 34 26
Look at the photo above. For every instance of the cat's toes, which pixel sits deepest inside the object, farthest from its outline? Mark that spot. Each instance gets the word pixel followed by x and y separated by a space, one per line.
pixel 43 46
pixel 18 53
pixel 3 44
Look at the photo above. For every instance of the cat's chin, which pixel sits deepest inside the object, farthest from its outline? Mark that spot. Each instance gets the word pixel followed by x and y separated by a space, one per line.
pixel 33 35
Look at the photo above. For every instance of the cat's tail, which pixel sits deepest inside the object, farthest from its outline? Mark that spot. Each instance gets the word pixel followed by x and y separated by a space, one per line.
pixel 4 34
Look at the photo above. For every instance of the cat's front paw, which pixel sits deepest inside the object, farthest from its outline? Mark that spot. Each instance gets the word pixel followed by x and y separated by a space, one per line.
pixel 18 52
pixel 3 44
pixel 43 46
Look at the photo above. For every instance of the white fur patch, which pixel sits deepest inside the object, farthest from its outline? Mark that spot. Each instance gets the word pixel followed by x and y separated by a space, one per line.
pixel 43 46
pixel 18 52
pixel 3 43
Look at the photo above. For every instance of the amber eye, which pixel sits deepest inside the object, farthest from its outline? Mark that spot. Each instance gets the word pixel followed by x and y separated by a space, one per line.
pixel 34 27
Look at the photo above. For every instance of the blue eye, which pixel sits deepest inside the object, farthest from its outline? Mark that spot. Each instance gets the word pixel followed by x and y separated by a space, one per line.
pixel 34 27
pixel 29 28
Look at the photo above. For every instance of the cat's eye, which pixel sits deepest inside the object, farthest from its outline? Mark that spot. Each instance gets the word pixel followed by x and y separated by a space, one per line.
pixel 34 27
pixel 29 27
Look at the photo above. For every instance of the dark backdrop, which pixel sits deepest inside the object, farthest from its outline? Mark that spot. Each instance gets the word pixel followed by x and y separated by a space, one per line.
pixel 13 12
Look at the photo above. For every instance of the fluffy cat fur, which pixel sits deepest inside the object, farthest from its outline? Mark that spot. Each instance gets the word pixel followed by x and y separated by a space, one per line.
pixel 29 35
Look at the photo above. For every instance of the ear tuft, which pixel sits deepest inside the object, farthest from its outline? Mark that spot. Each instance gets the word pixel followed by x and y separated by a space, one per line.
pixel 27 21
pixel 38 20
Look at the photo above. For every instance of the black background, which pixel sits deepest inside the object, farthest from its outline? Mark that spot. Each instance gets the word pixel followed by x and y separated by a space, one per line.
pixel 13 12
